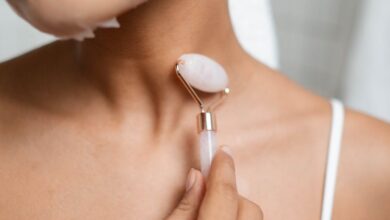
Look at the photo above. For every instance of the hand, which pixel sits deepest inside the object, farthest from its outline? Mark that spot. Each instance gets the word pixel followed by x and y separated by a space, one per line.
pixel 221 200
pixel 68 18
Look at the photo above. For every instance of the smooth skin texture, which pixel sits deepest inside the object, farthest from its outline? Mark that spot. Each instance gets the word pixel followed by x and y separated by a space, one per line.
pixel 103 129
pixel 70 17
pixel 221 200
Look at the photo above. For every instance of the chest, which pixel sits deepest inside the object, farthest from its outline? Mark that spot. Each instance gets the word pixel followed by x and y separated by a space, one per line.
pixel 73 180
pixel 70 180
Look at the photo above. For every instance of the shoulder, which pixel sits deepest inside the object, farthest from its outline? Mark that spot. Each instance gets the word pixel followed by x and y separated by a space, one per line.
pixel 366 135
pixel 369 140
pixel 363 183
pixel 363 190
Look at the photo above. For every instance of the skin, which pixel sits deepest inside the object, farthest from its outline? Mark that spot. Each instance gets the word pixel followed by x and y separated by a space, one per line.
pixel 221 199
pixel 104 130
pixel 69 17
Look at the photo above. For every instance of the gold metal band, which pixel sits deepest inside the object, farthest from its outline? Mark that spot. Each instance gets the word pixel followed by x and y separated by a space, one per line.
pixel 206 122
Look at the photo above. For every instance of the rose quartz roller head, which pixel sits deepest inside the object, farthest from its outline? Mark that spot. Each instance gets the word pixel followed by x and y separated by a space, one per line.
pixel 204 74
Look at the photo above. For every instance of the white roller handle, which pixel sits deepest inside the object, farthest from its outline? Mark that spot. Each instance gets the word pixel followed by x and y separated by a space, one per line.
pixel 208 147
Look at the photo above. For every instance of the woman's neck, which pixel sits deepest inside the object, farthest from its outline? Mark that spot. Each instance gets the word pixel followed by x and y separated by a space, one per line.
pixel 133 66
pixel 154 35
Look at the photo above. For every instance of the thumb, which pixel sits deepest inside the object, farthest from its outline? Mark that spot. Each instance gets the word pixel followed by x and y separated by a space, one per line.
pixel 188 207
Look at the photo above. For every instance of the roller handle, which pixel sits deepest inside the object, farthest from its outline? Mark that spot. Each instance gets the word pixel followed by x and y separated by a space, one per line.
pixel 208 148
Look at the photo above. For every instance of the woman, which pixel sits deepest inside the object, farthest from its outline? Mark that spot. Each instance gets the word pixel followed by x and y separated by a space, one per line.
pixel 102 129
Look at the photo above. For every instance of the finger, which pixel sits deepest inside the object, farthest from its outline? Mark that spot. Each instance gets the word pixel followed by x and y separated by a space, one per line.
pixel 221 198
pixel 189 205
pixel 249 210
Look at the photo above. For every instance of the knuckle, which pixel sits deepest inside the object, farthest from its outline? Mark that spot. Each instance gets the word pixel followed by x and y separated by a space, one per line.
pixel 185 205
pixel 227 190
pixel 251 209
pixel 256 210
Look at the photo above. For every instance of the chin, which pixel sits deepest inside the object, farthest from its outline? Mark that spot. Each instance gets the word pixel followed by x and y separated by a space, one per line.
pixel 135 3
pixel 66 17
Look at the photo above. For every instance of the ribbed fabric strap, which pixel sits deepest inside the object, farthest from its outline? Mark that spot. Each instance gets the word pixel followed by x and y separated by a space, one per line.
pixel 336 134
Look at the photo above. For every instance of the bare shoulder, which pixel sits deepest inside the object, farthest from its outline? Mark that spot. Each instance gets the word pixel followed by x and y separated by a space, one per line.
pixel 363 190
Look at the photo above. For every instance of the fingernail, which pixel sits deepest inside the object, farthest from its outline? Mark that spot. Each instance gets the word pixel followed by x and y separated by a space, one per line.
pixel 227 150
pixel 190 179
pixel 112 23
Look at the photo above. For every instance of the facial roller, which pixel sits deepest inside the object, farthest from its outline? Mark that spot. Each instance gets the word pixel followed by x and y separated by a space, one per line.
pixel 199 72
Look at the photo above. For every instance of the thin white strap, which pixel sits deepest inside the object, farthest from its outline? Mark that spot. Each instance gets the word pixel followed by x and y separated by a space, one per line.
pixel 336 134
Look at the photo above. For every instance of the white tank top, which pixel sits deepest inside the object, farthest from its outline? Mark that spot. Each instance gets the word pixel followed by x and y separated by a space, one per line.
pixel 338 115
